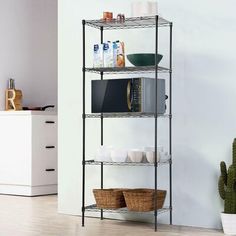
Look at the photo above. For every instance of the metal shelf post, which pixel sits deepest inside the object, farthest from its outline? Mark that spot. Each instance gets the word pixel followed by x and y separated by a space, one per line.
pixel 83 162
pixel 156 116
pixel 101 75
pixel 170 123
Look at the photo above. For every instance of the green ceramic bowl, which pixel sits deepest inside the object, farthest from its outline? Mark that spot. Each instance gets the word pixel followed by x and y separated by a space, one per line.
pixel 144 59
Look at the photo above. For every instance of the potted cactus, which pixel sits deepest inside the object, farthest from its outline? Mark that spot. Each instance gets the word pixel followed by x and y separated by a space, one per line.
pixel 227 190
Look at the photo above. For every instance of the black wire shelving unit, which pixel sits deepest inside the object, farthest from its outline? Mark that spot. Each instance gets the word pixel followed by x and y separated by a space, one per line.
pixel 130 23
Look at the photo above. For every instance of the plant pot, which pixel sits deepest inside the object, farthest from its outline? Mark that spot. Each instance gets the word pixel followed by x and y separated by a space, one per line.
pixel 229 223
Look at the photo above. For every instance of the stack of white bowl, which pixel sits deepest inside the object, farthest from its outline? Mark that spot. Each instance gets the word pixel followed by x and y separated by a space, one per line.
pixel 108 154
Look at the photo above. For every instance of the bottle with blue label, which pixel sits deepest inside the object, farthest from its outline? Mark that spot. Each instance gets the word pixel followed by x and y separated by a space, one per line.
pixel 108 59
pixel 98 55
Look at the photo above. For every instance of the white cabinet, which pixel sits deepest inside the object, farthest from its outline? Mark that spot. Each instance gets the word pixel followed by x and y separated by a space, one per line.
pixel 28 153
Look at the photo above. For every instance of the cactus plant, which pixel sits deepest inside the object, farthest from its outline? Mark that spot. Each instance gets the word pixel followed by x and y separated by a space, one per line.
pixel 227 184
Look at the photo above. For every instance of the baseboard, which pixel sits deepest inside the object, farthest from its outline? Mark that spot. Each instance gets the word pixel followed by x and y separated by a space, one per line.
pixel 24 190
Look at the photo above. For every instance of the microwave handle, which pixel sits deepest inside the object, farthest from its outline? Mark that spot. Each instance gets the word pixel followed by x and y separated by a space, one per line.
pixel 129 95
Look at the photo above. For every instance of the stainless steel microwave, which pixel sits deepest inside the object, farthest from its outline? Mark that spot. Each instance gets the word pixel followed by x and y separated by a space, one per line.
pixel 128 95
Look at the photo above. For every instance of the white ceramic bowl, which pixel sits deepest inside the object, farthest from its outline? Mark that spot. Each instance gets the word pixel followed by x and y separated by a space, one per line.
pixel 103 153
pixel 118 155
pixel 135 155
pixel 150 156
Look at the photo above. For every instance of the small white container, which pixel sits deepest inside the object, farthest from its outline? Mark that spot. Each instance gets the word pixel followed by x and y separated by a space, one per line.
pixel 119 155
pixel 150 153
pixel 150 156
pixel 103 153
pixel 135 155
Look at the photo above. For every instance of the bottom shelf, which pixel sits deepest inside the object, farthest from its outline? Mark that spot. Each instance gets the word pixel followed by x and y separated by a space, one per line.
pixel 93 208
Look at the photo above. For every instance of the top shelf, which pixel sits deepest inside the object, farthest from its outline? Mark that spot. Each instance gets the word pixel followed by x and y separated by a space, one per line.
pixel 130 23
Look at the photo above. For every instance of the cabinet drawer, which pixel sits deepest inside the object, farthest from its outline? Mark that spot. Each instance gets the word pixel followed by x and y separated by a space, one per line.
pixel 44 129
pixel 44 168
pixel 44 150
pixel 47 176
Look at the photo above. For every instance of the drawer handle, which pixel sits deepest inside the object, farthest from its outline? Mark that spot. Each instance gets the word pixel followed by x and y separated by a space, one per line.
pixel 50 169
pixel 48 147
pixel 49 122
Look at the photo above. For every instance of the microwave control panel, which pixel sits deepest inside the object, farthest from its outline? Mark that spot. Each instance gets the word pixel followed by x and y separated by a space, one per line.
pixel 136 95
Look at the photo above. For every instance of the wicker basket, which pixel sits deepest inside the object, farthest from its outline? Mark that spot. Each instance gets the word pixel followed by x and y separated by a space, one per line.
pixel 143 199
pixel 109 198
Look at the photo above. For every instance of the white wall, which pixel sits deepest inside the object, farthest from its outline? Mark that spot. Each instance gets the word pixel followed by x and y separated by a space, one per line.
pixel 204 101
pixel 28 46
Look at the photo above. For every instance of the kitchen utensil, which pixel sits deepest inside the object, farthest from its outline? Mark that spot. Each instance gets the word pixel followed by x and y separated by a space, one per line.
pixel 144 59
pixel 38 108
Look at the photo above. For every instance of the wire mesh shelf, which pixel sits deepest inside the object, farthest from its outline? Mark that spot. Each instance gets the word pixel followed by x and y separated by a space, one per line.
pixel 129 23
pixel 125 115
pixel 94 208
pixel 110 163
pixel 129 69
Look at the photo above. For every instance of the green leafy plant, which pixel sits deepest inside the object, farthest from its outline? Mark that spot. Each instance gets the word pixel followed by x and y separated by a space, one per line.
pixel 227 184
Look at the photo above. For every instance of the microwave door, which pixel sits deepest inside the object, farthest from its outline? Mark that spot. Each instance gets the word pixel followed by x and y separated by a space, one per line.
pixel 111 95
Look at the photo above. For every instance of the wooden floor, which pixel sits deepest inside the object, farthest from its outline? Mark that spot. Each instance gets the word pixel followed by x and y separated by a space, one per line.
pixel 23 216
